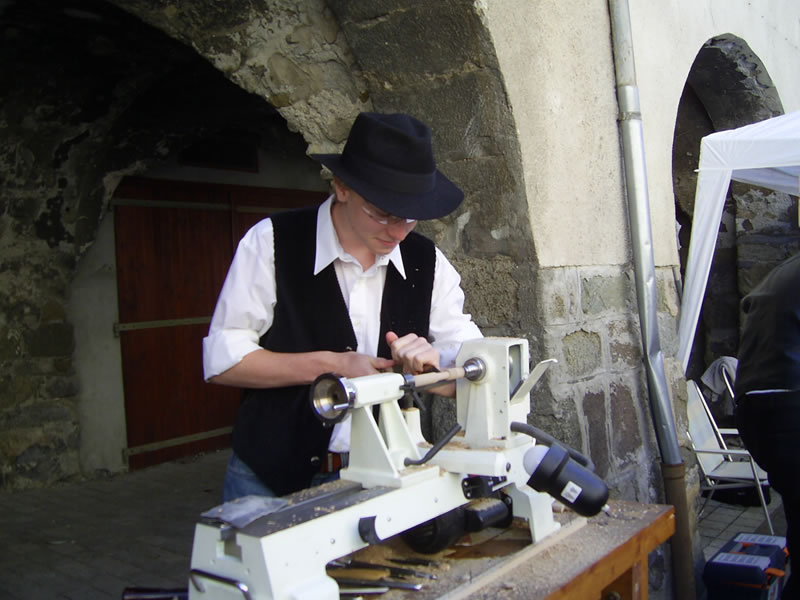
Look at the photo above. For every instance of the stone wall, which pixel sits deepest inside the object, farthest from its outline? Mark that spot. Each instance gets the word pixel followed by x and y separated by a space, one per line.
pixel 767 232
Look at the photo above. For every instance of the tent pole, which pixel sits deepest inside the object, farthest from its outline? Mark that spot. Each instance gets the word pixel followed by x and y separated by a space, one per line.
pixel 672 468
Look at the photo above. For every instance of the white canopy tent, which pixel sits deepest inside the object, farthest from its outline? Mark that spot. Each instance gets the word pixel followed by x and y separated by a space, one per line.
pixel 766 154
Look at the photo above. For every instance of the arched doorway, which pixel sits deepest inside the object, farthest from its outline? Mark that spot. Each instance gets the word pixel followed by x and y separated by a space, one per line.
pixel 727 87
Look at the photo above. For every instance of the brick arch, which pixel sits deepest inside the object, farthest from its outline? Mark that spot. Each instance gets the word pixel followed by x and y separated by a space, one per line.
pixel 728 86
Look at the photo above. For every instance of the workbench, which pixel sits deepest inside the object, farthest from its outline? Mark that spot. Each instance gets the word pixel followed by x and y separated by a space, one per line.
pixel 586 559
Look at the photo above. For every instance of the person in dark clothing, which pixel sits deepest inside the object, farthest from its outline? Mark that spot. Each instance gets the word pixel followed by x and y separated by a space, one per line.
pixel 349 288
pixel 768 390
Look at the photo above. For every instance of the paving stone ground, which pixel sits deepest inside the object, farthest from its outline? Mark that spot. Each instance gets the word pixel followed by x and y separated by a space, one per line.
pixel 90 540
pixel 720 522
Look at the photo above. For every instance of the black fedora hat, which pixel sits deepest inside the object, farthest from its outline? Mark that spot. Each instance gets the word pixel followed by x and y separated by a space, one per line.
pixel 388 160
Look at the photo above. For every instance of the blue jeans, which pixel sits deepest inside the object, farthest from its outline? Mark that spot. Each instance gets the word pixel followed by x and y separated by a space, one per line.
pixel 240 480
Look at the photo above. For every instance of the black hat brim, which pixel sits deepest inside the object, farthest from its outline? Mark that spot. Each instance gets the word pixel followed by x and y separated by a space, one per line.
pixel 442 199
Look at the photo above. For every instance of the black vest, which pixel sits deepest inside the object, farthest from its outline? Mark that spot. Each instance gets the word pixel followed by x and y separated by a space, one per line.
pixel 277 433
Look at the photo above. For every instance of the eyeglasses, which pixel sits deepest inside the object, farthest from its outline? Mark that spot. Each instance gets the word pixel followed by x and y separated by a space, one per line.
pixel 385 219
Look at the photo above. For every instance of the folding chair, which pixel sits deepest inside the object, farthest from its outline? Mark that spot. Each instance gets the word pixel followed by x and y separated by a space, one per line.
pixel 720 467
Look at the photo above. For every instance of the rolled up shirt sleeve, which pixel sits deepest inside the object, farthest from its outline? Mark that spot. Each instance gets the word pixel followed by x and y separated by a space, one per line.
pixel 449 325
pixel 246 304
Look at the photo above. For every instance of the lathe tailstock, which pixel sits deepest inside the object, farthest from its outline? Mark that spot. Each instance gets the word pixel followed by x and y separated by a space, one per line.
pixel 396 480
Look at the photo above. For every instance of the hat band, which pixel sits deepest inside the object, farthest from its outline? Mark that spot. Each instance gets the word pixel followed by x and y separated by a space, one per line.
pixel 401 182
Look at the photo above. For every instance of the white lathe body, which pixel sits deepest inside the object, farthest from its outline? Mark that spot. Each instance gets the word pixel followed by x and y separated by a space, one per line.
pixel 283 555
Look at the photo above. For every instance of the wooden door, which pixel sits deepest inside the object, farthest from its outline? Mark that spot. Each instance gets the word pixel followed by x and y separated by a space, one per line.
pixel 174 243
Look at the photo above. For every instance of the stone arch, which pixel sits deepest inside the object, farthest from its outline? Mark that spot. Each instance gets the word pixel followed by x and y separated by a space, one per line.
pixel 291 54
pixel 104 89
pixel 728 86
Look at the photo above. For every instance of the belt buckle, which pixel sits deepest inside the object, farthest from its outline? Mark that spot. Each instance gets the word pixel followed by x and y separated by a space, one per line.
pixel 331 463
pixel 334 461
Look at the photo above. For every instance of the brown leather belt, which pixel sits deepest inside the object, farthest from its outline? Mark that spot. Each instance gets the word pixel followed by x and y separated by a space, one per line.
pixel 334 461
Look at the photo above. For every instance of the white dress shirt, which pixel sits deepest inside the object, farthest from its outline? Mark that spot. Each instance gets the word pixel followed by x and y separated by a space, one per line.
pixel 245 307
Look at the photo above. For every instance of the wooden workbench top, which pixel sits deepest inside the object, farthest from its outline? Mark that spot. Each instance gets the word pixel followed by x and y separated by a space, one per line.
pixel 581 560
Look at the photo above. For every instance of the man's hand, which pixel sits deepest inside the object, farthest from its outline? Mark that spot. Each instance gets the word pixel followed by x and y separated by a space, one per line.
pixel 265 369
pixel 414 353
pixel 354 364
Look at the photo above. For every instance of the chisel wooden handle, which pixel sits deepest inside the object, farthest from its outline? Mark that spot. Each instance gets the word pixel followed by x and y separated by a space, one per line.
pixel 426 379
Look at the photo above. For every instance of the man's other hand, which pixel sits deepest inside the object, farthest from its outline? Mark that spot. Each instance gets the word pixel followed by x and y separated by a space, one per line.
pixel 413 352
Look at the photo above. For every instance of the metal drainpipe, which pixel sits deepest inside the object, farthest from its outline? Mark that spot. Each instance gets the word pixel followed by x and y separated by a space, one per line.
pixel 672 467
